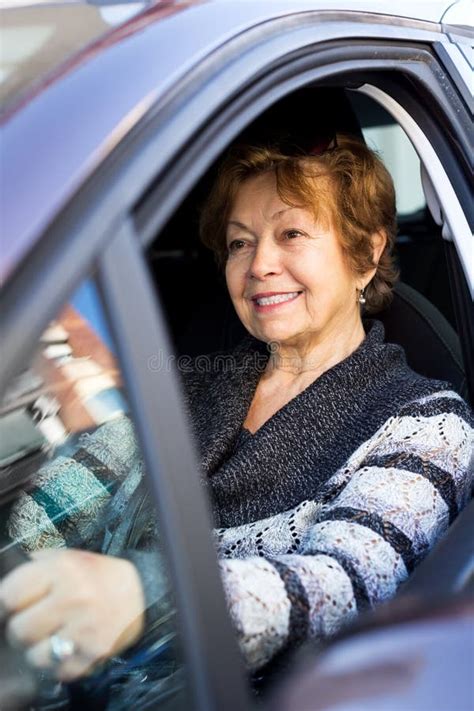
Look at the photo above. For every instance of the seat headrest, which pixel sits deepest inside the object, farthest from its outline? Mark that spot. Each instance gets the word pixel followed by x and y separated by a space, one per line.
pixel 302 117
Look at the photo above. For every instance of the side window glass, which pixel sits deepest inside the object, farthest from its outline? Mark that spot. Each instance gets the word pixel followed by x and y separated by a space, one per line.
pixel 403 163
pixel 83 574
pixel 420 249
pixel 385 136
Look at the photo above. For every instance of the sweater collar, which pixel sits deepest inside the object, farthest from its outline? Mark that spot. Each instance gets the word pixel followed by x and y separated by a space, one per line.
pixel 251 357
pixel 234 378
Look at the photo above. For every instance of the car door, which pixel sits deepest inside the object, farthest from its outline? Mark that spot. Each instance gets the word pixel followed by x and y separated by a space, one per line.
pixel 73 451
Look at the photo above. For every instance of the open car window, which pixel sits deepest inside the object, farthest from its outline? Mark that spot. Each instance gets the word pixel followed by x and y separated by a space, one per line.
pixel 72 479
pixel 384 135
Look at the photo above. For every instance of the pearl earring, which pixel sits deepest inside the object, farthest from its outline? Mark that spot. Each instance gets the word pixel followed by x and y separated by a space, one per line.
pixel 361 296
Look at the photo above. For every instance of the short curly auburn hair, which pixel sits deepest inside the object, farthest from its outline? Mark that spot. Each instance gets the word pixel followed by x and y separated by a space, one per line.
pixel 346 186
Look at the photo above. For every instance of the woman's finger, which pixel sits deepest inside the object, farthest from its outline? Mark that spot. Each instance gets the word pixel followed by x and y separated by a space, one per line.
pixel 79 663
pixel 24 586
pixel 34 623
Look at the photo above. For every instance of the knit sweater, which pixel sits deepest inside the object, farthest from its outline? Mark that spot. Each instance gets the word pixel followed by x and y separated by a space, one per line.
pixel 328 507
pixel 321 513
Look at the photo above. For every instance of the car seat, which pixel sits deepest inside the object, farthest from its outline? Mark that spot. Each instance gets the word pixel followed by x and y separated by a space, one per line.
pixel 431 345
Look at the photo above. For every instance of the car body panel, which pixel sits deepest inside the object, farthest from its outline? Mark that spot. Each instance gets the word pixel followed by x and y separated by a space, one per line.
pixel 71 26
pixel 49 171
pixel 36 40
pixel 459 14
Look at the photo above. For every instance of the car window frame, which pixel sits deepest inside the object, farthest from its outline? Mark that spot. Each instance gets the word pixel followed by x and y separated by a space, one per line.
pixel 446 138
pixel 140 332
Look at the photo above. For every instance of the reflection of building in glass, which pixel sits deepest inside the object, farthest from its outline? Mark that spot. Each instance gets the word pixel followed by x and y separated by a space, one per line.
pixel 71 388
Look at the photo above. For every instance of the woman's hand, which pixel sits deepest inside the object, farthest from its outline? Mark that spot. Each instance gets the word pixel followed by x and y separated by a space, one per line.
pixel 92 602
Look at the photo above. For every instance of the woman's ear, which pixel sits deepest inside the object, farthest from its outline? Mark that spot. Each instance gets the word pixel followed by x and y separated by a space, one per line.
pixel 379 240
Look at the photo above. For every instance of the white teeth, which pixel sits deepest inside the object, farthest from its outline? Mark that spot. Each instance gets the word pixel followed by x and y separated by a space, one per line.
pixel 277 299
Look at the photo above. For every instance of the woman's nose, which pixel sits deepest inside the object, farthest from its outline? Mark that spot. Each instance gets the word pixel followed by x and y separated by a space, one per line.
pixel 265 260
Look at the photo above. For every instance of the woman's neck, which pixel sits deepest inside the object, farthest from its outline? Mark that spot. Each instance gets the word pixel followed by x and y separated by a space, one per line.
pixel 307 359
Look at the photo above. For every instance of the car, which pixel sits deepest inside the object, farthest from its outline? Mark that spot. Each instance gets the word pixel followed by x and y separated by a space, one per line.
pixel 113 122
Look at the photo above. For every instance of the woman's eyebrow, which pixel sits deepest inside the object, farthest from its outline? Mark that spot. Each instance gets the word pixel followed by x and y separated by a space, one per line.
pixel 281 212
pixel 241 226
pixel 277 214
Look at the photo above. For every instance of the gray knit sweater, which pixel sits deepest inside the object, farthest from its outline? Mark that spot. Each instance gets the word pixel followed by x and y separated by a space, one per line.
pixel 328 507
pixel 324 511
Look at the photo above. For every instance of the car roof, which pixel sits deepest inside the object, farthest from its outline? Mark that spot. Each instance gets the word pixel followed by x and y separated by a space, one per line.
pixel 39 35
pixel 428 10
pixel 118 74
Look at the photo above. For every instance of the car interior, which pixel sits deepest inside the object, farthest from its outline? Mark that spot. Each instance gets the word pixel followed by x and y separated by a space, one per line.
pixel 420 317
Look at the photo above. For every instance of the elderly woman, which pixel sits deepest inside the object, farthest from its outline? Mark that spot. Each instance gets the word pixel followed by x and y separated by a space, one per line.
pixel 332 467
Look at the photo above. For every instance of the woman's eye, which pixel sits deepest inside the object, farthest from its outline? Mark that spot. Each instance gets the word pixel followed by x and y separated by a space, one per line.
pixel 292 234
pixel 235 245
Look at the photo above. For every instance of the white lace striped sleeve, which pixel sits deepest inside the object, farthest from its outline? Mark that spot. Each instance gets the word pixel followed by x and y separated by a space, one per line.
pixel 305 572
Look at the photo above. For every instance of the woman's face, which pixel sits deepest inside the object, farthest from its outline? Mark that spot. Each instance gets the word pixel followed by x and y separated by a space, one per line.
pixel 286 274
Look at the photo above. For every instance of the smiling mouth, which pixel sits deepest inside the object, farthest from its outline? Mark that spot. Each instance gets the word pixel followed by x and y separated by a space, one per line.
pixel 275 299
